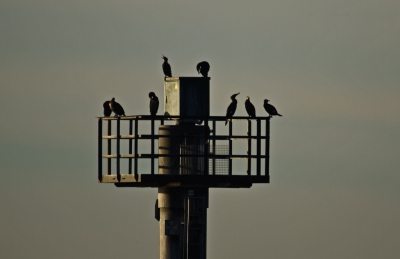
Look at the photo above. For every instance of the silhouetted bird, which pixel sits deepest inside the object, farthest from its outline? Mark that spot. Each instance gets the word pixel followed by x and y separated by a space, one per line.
pixel 250 107
pixel 270 109
pixel 153 103
pixel 231 108
pixel 107 109
pixel 166 67
pixel 203 67
pixel 116 108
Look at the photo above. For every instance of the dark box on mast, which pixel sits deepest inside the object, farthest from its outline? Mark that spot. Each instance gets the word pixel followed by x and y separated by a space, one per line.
pixel 187 96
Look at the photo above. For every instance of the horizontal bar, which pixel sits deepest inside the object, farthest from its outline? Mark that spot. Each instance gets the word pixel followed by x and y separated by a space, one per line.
pixel 166 155
pixel 148 136
pixel 161 118
pixel 235 137
pixel 112 178
pixel 140 136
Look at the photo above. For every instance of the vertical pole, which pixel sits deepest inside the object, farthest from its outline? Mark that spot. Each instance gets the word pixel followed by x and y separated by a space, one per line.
pixel 258 147
pixel 136 148
pixel 185 235
pixel 206 146
pixel 195 234
pixel 267 131
pixel 170 203
pixel 230 147
pixel 161 123
pixel 100 150
pixel 109 147
pixel 118 148
pixel 249 147
pixel 152 145
pixel 130 145
pixel 182 230
pixel 213 145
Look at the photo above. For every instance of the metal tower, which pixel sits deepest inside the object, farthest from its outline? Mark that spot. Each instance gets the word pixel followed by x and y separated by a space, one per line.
pixel 191 156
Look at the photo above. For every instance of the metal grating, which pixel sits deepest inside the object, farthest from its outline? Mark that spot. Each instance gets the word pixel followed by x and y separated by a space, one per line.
pixel 218 166
pixel 191 165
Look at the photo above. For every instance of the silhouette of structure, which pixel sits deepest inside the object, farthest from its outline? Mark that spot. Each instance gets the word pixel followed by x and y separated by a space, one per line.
pixel 191 159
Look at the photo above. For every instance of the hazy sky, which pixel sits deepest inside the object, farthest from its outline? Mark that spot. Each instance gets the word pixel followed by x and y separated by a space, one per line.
pixel 330 67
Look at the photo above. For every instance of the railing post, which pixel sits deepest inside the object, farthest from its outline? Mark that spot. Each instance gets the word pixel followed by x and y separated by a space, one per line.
pixel 130 145
pixel 258 147
pixel 118 148
pixel 152 145
pixel 213 145
pixel 109 147
pixel 230 147
pixel 100 150
pixel 136 148
pixel 206 146
pixel 249 147
pixel 267 147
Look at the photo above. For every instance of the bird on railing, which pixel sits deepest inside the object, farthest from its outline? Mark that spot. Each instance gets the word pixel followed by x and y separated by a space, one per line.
pixel 107 109
pixel 231 108
pixel 116 108
pixel 250 107
pixel 153 103
pixel 166 67
pixel 203 67
pixel 270 109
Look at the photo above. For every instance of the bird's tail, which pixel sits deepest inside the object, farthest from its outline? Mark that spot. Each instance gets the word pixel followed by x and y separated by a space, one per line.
pixel 226 122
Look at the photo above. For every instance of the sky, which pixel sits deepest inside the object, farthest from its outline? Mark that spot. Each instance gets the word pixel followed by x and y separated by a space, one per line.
pixel 330 67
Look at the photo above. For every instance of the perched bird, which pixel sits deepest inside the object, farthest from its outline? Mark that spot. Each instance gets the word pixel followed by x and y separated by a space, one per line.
pixel 107 109
pixel 166 67
pixel 153 103
pixel 250 107
pixel 231 108
pixel 270 109
pixel 116 108
pixel 203 67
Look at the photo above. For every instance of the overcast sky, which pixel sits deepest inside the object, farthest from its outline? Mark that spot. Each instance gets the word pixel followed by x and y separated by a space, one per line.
pixel 330 67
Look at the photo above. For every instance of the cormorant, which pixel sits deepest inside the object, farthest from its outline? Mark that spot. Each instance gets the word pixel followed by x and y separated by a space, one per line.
pixel 107 109
pixel 116 108
pixel 250 107
pixel 203 67
pixel 231 108
pixel 166 67
pixel 270 109
pixel 153 103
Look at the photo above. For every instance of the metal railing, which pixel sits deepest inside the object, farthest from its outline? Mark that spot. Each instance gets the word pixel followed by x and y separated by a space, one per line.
pixel 209 154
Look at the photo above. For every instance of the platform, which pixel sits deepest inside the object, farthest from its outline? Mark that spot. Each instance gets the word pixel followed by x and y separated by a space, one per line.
pixel 211 173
